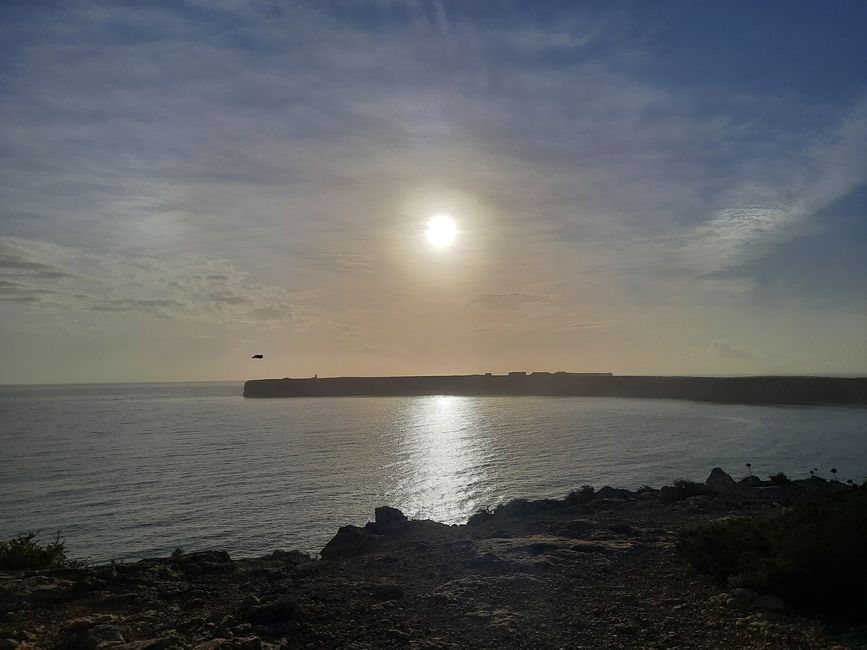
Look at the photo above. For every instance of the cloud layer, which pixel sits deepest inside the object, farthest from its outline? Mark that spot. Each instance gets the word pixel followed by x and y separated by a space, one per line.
pixel 52 277
pixel 632 188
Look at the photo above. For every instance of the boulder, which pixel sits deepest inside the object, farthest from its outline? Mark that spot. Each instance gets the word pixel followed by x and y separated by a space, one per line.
pixel 769 601
pixel 279 610
pixel 609 492
pixel 350 541
pixel 389 519
pixel 99 636
pixel 744 595
pixel 387 591
pixel 720 482
pixel 479 518
pixel 751 481
pixel 204 562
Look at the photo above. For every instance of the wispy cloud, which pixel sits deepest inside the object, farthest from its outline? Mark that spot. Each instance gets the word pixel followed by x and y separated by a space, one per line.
pixel 50 276
pixel 591 325
pixel 732 352
pixel 510 300
pixel 265 165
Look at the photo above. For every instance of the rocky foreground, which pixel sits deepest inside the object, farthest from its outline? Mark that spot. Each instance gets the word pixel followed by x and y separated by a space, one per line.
pixel 595 570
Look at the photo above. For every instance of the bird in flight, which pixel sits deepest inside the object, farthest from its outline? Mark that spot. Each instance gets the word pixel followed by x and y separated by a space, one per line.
pixel 258 356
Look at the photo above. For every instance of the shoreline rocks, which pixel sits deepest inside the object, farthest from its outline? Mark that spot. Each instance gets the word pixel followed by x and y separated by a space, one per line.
pixel 595 571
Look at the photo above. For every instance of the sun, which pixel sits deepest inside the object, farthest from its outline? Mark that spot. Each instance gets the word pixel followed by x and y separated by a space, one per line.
pixel 441 231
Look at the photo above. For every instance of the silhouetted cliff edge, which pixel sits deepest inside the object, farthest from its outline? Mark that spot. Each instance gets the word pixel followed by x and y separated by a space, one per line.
pixel 741 390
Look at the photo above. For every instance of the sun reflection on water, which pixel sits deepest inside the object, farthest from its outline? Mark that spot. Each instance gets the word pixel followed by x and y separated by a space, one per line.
pixel 443 460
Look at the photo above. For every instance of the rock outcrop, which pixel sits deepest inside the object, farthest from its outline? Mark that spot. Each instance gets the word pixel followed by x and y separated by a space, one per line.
pixel 721 483
pixel 596 573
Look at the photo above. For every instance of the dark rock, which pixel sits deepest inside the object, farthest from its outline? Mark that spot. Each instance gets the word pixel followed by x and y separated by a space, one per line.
pixel 721 483
pixel 488 561
pixel 479 518
pixel 521 508
pixel 52 593
pixel 9 600
pixel 98 636
pixel 389 519
pixel 752 480
pixel 538 548
pixel 625 530
pixel 78 625
pixel 91 583
pixel 606 504
pixel 575 529
pixel 609 492
pixel 204 562
pixel 349 541
pixel 280 610
pixel 191 624
pixel 589 547
pixel 8 644
pixel 291 557
pixel 250 600
pixel 387 592
pixel 219 557
pixel 769 601
pixel 242 629
pixel 398 636
pixel 171 642
pixel 744 595
pixel 249 643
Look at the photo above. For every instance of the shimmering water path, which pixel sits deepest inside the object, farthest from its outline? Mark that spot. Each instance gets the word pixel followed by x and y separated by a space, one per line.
pixel 127 471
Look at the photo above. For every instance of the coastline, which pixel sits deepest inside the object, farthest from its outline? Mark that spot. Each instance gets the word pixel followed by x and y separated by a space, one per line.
pixel 843 391
pixel 597 569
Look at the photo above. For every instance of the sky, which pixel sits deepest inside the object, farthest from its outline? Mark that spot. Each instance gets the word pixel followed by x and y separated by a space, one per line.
pixel 662 187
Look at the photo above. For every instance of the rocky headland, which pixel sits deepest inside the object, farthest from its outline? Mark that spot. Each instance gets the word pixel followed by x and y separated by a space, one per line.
pixel 851 391
pixel 597 569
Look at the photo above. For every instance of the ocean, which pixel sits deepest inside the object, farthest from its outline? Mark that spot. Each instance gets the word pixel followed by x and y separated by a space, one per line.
pixel 127 471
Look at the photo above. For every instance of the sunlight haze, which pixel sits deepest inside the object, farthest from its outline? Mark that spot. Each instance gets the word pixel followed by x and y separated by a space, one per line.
pixel 381 188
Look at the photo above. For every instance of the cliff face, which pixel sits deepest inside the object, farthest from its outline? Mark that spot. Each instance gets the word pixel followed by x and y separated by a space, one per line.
pixel 742 390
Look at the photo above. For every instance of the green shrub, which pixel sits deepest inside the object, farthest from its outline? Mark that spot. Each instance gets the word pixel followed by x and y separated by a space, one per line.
pixel 812 557
pixel 779 479
pixel 26 552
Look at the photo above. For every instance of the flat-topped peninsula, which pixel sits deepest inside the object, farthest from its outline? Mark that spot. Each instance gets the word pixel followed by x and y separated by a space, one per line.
pixel 740 390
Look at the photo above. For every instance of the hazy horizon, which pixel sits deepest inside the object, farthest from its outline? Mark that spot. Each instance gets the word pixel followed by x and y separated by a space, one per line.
pixel 845 375
pixel 658 189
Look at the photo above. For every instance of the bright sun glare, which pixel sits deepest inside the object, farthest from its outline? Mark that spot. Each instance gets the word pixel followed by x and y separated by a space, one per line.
pixel 441 231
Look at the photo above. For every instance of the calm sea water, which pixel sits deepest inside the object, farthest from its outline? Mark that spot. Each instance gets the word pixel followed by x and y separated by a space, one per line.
pixel 128 471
